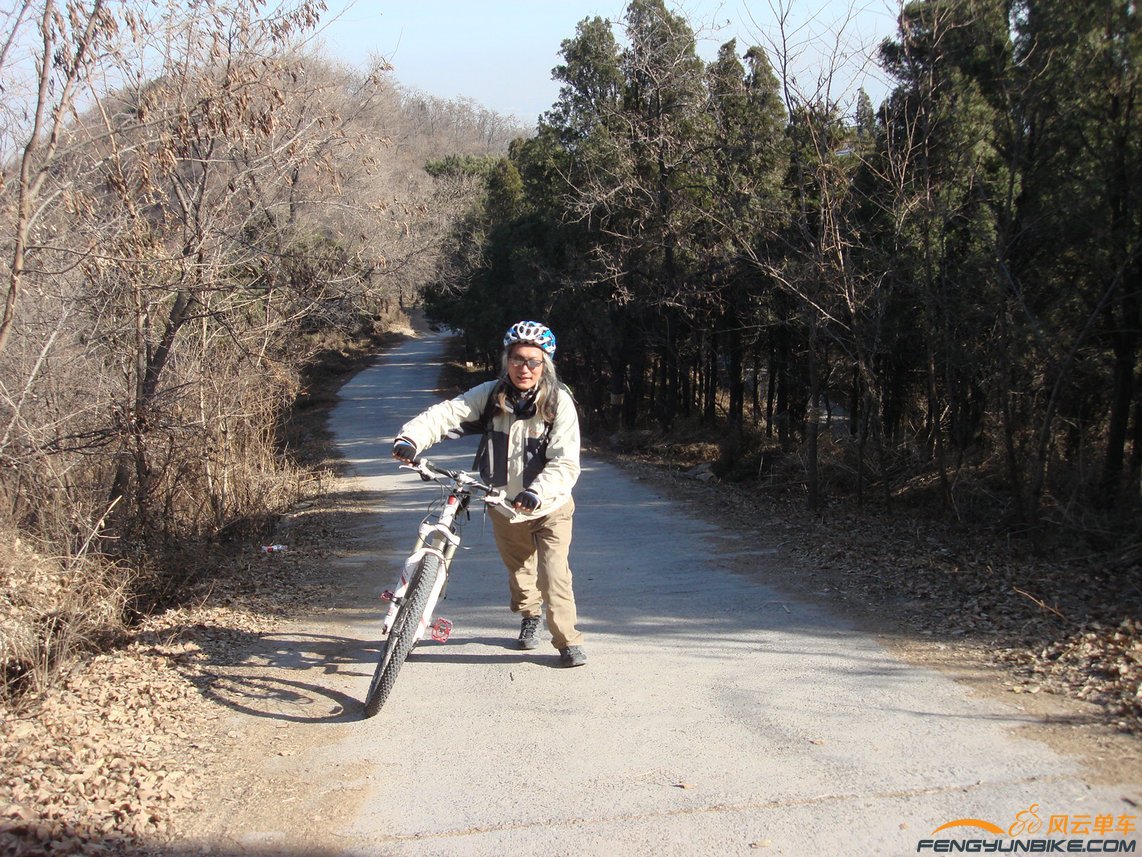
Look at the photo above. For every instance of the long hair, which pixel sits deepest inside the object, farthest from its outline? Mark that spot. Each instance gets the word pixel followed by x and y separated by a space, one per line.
pixel 546 393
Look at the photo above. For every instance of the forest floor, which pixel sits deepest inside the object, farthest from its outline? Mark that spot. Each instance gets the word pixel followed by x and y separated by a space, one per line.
pixel 121 754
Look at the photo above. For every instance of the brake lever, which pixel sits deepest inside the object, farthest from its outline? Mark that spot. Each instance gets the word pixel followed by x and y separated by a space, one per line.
pixel 415 468
pixel 502 500
pixel 497 498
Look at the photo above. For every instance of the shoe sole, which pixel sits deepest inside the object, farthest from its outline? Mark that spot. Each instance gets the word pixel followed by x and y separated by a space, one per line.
pixel 528 643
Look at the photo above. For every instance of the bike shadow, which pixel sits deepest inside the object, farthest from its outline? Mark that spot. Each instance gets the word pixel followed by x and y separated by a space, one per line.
pixel 297 677
pixel 291 677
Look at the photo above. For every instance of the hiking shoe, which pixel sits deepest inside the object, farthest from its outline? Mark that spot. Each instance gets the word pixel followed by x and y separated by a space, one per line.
pixel 529 632
pixel 572 656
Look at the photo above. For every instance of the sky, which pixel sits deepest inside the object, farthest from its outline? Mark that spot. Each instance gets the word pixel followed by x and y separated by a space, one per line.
pixel 500 53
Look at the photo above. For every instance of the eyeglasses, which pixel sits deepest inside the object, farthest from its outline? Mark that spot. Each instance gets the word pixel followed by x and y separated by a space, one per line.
pixel 532 364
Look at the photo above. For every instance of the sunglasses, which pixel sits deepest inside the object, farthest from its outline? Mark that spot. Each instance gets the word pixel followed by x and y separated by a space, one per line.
pixel 532 364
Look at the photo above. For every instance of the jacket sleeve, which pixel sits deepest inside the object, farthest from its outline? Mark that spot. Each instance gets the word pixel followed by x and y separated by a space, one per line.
pixel 561 472
pixel 455 416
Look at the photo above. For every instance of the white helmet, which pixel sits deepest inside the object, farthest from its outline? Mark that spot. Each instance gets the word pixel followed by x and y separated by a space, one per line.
pixel 531 332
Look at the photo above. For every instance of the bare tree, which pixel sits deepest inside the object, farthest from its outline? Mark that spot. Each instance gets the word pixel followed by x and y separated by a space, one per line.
pixel 815 262
pixel 62 48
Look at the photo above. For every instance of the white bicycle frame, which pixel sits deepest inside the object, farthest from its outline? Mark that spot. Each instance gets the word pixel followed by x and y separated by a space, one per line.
pixel 438 537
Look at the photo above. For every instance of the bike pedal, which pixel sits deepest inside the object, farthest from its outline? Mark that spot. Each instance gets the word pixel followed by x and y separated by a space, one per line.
pixel 441 629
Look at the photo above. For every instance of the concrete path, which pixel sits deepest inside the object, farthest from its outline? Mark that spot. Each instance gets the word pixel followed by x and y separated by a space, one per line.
pixel 716 716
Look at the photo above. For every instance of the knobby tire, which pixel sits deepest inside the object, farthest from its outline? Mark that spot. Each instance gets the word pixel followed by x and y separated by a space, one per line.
pixel 402 635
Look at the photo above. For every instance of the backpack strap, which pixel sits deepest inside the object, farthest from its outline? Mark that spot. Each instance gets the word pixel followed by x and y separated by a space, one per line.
pixel 489 410
pixel 483 424
pixel 482 462
pixel 547 426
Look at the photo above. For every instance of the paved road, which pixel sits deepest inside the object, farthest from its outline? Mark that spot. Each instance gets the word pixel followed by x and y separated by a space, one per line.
pixel 716 716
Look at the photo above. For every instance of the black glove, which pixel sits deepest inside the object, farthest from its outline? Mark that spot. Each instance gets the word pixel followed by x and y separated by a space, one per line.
pixel 404 450
pixel 526 501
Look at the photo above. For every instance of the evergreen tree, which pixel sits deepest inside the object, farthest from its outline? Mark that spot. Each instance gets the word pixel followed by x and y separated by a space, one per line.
pixel 747 202
pixel 1076 263
pixel 950 184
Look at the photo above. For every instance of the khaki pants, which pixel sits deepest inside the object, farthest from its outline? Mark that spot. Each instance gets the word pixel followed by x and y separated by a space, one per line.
pixel 535 553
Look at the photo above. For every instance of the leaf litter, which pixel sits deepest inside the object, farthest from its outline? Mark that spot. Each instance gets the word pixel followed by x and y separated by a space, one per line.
pixel 120 750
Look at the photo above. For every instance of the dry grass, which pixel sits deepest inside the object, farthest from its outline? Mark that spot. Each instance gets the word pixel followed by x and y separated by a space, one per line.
pixel 108 739
pixel 51 609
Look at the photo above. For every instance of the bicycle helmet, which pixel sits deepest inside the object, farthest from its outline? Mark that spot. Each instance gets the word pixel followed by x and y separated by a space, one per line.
pixel 531 332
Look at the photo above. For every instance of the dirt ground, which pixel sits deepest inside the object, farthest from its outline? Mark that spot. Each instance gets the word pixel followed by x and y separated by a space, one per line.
pixel 135 749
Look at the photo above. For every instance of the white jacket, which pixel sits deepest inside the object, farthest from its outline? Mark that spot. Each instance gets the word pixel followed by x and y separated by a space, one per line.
pixel 516 457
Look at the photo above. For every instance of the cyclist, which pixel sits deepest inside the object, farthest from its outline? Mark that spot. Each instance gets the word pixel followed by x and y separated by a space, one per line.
pixel 530 447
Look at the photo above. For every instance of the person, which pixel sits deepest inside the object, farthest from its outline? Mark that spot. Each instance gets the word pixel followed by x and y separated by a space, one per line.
pixel 530 448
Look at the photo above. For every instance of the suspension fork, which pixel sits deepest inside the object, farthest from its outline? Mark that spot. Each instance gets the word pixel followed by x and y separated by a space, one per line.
pixel 437 537
pixel 441 536
pixel 449 539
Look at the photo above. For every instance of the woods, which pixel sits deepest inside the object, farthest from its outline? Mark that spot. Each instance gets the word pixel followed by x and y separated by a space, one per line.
pixel 193 207
pixel 955 270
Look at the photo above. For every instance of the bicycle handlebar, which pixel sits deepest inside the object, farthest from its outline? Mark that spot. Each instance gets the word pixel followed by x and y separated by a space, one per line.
pixel 434 472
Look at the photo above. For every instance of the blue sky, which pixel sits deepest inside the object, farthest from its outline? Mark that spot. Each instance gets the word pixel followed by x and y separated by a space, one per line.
pixel 500 52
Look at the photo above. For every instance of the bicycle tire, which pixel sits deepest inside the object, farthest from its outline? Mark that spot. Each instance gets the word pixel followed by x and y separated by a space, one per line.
pixel 402 634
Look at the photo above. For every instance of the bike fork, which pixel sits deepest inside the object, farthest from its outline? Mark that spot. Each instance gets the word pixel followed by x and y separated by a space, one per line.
pixel 441 629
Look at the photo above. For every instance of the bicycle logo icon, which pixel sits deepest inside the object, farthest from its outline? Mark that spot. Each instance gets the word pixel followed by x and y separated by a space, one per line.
pixel 1026 821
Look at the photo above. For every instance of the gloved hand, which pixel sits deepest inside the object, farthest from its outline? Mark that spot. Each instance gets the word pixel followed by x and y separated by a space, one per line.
pixel 404 450
pixel 526 501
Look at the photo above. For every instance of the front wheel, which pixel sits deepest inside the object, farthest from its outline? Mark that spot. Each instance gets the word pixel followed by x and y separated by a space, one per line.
pixel 402 634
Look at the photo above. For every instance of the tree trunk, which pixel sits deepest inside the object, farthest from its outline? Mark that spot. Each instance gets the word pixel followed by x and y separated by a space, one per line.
pixel 771 387
pixel 709 409
pixel 668 404
pixel 1121 398
pixel 935 435
pixel 858 426
pixel 736 381
pixel 1014 473
pixel 813 423
pixel 756 391
pixel 150 365
pixel 636 384
pixel 1135 483
pixel 854 401
pixel 781 369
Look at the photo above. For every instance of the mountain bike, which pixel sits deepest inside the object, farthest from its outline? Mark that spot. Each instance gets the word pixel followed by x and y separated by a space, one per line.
pixel 425 574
